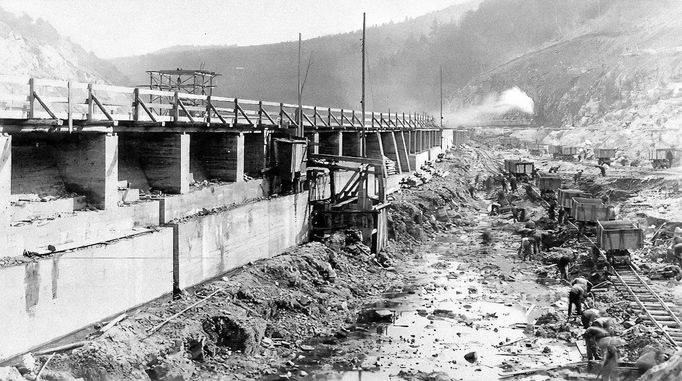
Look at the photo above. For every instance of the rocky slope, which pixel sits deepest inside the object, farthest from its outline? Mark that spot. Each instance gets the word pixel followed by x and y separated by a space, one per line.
pixel 34 47
pixel 618 75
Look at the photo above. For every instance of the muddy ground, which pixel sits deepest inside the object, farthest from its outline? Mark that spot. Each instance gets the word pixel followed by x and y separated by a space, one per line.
pixel 441 304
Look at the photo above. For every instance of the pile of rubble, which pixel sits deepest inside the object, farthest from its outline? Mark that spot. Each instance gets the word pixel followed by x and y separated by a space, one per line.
pixel 423 175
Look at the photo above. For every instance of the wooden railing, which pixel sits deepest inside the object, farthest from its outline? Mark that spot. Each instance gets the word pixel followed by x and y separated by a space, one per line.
pixel 25 98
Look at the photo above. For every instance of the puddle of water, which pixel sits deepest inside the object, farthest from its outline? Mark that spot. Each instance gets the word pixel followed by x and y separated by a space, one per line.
pixel 478 313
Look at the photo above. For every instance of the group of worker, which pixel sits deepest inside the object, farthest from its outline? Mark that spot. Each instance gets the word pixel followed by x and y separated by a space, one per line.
pixel 598 327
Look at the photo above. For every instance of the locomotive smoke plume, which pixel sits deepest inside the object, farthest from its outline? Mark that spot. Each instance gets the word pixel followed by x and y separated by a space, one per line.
pixel 494 105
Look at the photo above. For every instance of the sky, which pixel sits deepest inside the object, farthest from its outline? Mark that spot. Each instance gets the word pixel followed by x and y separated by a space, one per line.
pixel 115 28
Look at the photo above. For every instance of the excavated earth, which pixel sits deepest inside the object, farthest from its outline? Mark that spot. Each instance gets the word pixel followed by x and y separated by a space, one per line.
pixel 448 300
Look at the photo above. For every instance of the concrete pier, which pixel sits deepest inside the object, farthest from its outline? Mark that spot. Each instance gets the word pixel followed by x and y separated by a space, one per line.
pixel 403 153
pixel 5 183
pixel 390 145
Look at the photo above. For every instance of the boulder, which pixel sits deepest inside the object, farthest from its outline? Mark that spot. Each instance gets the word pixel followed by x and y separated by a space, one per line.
pixel 669 370
pixel 471 357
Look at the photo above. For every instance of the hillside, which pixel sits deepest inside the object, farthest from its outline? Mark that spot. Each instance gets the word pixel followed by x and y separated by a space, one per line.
pixel 34 47
pixel 615 79
pixel 269 71
pixel 404 59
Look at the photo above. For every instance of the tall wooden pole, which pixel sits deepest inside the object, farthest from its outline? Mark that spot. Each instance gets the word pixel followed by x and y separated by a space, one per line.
pixel 299 112
pixel 362 102
pixel 441 97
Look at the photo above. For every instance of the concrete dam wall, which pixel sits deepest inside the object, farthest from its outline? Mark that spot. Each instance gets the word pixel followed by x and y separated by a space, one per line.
pixel 49 298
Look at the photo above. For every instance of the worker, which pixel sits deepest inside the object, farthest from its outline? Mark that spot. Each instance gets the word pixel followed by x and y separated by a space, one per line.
pixel 602 169
pixel 501 198
pixel 576 297
pixel 596 254
pixel 605 199
pixel 526 249
pixel 534 174
pixel 584 282
pixel 512 183
pixel 518 214
pixel 505 184
pixel 589 316
pixel 551 213
pixel 494 209
pixel 562 265
pixel 609 369
pixel 489 183
pixel 529 193
pixel 603 322
pixel 562 215
pixel 538 239
pixel 592 335
pixel 578 175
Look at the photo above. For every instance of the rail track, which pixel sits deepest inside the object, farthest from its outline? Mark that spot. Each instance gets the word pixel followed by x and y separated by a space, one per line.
pixel 660 314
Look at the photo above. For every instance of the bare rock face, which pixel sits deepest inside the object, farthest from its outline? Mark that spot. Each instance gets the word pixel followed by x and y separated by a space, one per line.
pixel 669 370
pixel 35 48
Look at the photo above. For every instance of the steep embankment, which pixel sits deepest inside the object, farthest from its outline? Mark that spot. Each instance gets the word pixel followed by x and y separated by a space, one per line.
pixel 619 75
pixel 35 48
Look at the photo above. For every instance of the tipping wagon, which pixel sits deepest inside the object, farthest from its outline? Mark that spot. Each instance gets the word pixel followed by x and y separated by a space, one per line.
pixel 591 210
pixel 605 155
pixel 521 169
pixel 566 153
pixel 618 239
pixel 548 183
pixel 564 197
pixel 537 149
pixel 663 157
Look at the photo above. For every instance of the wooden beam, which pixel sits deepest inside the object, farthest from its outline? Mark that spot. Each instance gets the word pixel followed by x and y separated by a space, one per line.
pixel 350 159
pixel 182 106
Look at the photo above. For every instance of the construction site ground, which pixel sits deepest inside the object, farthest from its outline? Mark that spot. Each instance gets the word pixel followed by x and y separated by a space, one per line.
pixel 450 298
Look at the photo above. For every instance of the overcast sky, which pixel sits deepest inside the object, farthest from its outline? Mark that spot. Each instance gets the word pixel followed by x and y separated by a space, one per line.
pixel 113 28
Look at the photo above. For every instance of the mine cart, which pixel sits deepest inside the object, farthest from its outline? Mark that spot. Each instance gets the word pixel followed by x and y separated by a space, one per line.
pixel 565 153
pixel 662 157
pixel 537 149
pixel 548 182
pixel 618 239
pixel 591 210
pixel 554 150
pixel 565 196
pixel 605 155
pixel 522 170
